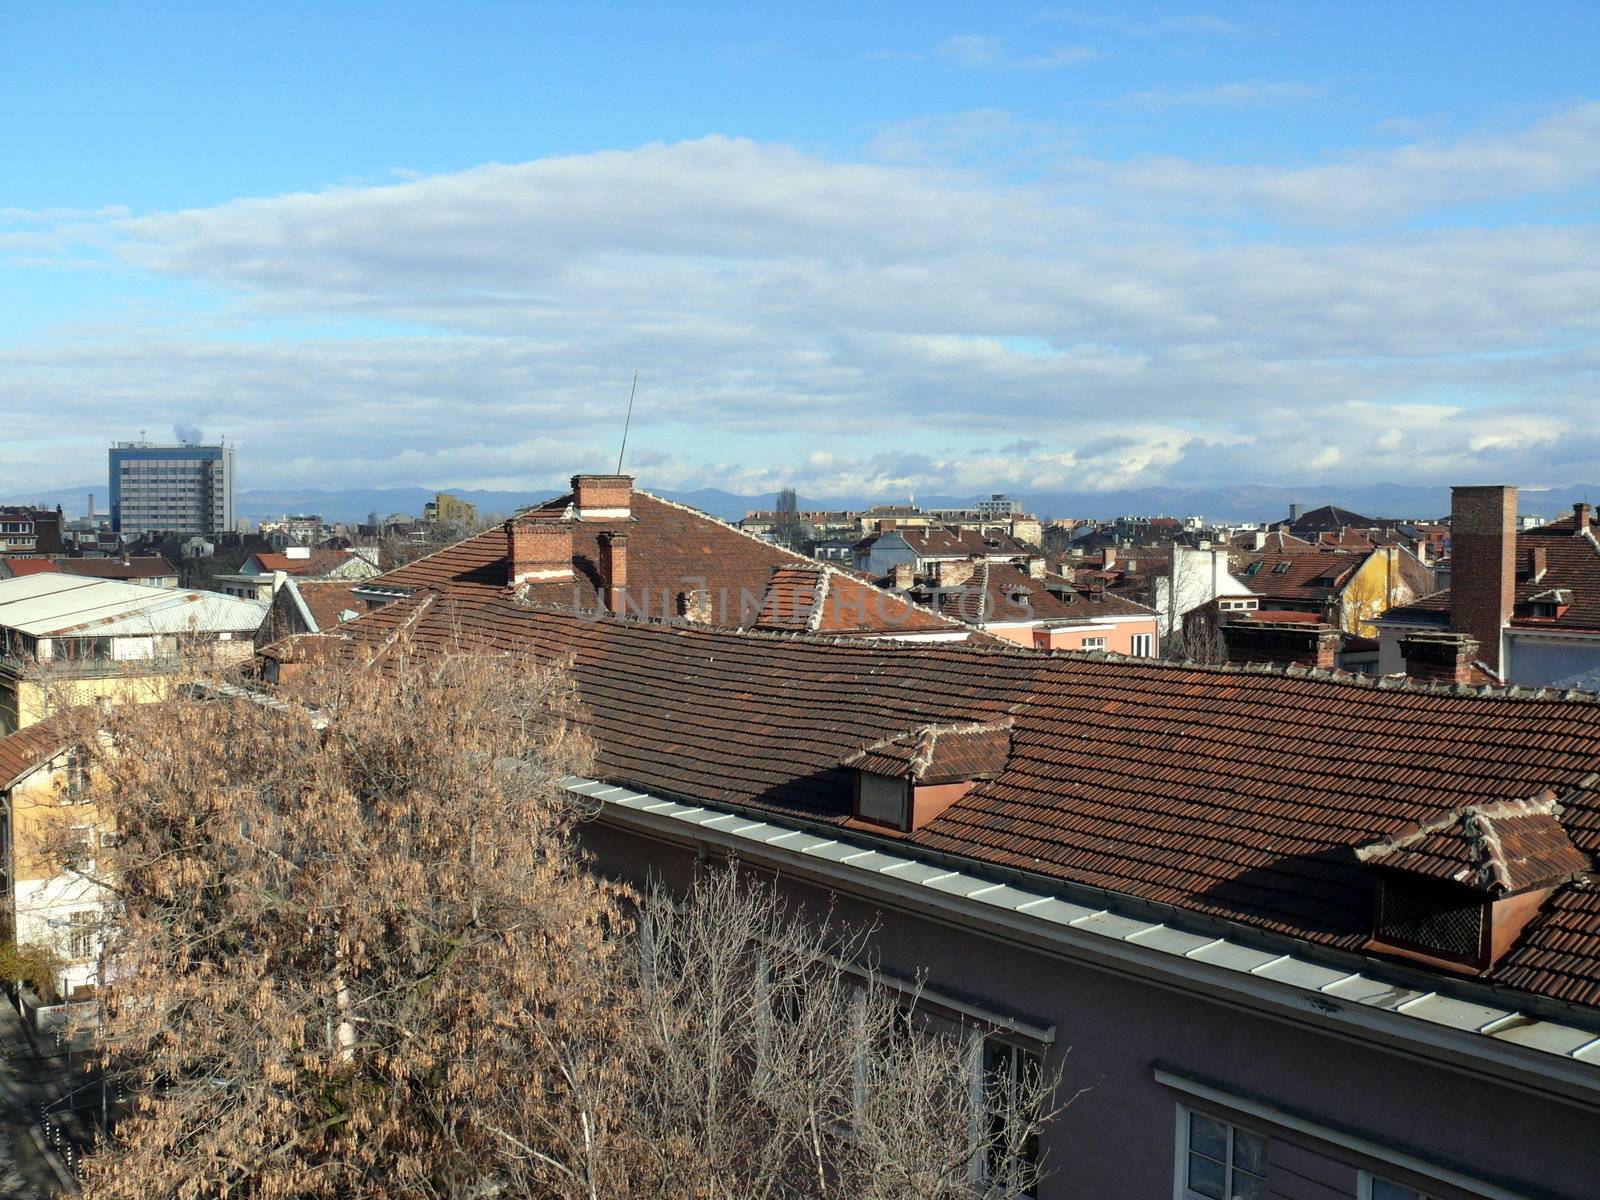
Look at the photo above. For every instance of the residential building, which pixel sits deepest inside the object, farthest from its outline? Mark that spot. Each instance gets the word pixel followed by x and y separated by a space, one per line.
pixel 307 606
pixel 1349 589
pixel 182 489
pixel 606 546
pixel 41 785
pixel 924 547
pixel 1193 581
pixel 26 530
pixel 1529 599
pixel 1042 611
pixel 296 529
pixel 1284 932
pixel 445 509
pixel 255 579
pixel 149 570
pixel 65 640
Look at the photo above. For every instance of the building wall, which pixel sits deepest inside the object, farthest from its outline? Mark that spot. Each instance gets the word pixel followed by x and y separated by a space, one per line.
pixel 1536 662
pixel 43 895
pixel 37 696
pixel 1117 1136
pixel 175 489
pixel 1119 636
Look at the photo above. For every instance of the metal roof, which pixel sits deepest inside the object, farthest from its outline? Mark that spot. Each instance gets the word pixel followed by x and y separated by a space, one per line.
pixel 70 606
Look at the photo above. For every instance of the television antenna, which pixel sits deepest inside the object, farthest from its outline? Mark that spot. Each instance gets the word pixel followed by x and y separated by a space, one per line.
pixel 626 421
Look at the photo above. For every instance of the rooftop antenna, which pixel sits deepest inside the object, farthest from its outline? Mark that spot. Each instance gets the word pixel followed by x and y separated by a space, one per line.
pixel 628 420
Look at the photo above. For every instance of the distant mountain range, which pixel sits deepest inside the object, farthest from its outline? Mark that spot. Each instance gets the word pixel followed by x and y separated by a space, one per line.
pixel 1242 502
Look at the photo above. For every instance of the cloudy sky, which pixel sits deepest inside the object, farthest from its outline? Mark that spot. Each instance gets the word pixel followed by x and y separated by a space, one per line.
pixel 856 248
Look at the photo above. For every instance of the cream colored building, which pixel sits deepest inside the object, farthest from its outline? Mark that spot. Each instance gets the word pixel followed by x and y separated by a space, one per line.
pixel 65 641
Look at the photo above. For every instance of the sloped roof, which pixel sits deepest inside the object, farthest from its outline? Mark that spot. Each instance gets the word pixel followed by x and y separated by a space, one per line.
pixel 26 749
pixel 672 550
pixel 818 598
pixel 952 541
pixel 938 753
pixel 1572 564
pixel 1503 848
pixel 1330 518
pixel 1316 575
pixel 136 567
pixel 62 605
pixel 1228 792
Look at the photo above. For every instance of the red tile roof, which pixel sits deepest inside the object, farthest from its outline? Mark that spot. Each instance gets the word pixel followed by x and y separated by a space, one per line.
pixel 327 599
pixel 952 541
pixel 673 550
pixel 1572 565
pixel 30 566
pixel 1504 848
pixel 136 567
pixel 1231 793
pixel 938 753
pixel 26 749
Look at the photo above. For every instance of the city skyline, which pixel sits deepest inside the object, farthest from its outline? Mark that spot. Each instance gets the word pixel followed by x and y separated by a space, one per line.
pixel 1028 251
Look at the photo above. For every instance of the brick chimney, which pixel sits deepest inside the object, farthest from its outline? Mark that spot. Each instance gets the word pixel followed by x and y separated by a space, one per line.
pixel 1483 565
pixel 905 576
pixel 1283 643
pixel 1439 657
pixel 614 569
pixel 603 497
pixel 1580 517
pixel 538 551
pixel 1538 563
pixel 1036 567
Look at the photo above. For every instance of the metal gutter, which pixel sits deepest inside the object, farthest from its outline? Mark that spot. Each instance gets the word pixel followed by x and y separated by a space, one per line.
pixel 1510 1045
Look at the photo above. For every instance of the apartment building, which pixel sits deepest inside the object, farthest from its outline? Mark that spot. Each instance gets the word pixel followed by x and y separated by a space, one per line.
pixel 65 640
pixel 182 489
pixel 1286 932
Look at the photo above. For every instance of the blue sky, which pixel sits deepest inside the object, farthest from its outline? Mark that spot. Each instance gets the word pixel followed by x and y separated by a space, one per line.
pixel 929 247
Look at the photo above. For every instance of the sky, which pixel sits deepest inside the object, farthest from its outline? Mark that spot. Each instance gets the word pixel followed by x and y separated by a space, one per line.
pixel 937 248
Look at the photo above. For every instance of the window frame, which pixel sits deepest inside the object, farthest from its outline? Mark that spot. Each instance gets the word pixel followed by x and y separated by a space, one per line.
pixel 1365 1179
pixel 1144 645
pixel 1181 1152
pixel 1098 642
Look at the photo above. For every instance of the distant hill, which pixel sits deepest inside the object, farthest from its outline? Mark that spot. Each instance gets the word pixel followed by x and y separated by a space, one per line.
pixel 1242 502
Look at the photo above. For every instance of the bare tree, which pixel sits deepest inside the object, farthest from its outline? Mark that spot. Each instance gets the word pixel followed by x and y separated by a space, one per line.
pixel 353 950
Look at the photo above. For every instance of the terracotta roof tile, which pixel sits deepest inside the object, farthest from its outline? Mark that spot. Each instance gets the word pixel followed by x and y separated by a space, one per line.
pixel 1504 848
pixel 1232 793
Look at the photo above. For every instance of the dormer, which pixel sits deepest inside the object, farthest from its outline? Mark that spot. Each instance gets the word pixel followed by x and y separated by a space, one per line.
pixel 1547 605
pixel 1457 891
pixel 903 782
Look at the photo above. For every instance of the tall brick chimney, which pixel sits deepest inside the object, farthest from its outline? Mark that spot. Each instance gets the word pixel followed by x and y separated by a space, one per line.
pixel 603 497
pixel 614 569
pixel 1483 565
pixel 538 551
pixel 954 573
pixel 1440 657
pixel 1580 517
pixel 1283 643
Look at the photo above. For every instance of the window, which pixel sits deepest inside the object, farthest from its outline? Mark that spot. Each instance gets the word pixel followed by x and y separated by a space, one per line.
pixel 1281 568
pixel 1010 1073
pixel 882 798
pixel 79 848
pixel 77 775
pixel 1438 918
pixel 1093 643
pixel 80 934
pixel 1374 1188
pixel 1221 1161
pixel 1143 645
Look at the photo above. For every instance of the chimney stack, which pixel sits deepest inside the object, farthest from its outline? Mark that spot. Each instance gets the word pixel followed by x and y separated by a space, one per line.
pixel 1439 657
pixel 538 551
pixel 1580 517
pixel 696 606
pixel 1483 565
pixel 905 576
pixel 1294 513
pixel 614 569
pixel 1036 567
pixel 1282 643
pixel 603 497
pixel 1538 563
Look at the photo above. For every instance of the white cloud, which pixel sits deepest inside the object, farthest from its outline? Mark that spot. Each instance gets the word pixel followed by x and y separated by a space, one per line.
pixel 1253 93
pixel 978 50
pixel 844 325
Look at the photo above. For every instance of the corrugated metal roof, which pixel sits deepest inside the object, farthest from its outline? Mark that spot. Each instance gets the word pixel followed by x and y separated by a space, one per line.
pixel 64 606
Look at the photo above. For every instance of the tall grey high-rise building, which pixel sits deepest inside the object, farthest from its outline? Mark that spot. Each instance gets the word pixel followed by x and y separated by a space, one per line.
pixel 183 488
